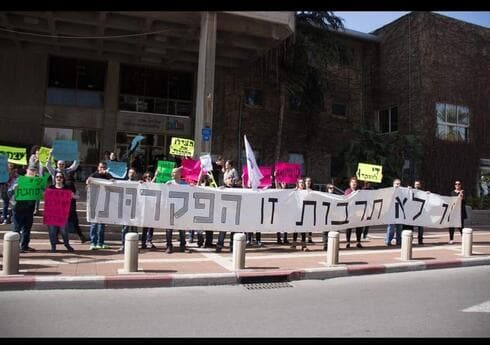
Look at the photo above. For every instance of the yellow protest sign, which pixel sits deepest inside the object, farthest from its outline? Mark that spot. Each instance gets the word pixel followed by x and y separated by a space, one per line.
pixel 44 155
pixel 369 172
pixel 182 147
pixel 16 155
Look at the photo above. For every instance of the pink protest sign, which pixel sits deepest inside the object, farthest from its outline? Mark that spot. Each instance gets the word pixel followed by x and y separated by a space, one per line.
pixel 266 181
pixel 191 169
pixel 287 172
pixel 56 206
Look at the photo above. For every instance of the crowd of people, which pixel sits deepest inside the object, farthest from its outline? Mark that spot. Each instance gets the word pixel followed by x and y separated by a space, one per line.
pixel 223 175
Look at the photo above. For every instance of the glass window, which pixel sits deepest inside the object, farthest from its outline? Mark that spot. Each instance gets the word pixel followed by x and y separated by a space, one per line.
pixel 453 122
pixel 388 120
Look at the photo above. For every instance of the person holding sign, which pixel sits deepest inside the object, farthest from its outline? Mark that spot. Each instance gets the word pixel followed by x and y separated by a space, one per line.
pixel 392 228
pixel 23 210
pixel 281 185
pixel 55 229
pixel 97 230
pixel 147 234
pixel 458 191
pixel 60 166
pixel 353 186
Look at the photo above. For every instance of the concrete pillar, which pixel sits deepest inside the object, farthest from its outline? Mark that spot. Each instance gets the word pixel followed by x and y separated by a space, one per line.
pixel 11 253
pixel 407 237
pixel 131 252
pixel 467 242
pixel 238 251
pixel 333 248
pixel 205 81
pixel 111 106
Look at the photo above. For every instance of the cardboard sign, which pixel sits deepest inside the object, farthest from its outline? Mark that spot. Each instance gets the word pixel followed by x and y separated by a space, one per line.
pixel 30 188
pixel 57 206
pixel 182 147
pixel 16 155
pixel 369 172
pixel 266 181
pixel 164 170
pixel 191 169
pixel 117 169
pixel 287 172
pixel 206 163
pixel 44 155
pixel 4 169
pixel 66 150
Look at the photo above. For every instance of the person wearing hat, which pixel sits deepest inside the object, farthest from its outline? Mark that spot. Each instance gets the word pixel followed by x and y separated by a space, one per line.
pixel 23 212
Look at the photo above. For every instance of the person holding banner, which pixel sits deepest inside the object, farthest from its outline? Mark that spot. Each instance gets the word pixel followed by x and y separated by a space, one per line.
pixel 458 191
pixel 128 228
pixel 308 185
pixel 300 185
pixel 366 186
pixel 331 190
pixel 176 179
pixel 392 228
pixel 420 229
pixel 97 230
pixel 353 186
pixel 147 234
pixel 54 230
pixel 281 185
pixel 23 211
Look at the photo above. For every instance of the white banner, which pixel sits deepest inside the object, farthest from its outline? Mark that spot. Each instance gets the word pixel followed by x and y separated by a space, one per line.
pixel 172 206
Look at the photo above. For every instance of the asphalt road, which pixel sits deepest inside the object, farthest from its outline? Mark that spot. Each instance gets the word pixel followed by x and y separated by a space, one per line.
pixel 413 304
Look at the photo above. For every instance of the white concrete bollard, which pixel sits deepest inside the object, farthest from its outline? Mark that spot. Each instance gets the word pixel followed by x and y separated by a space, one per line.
pixel 467 242
pixel 131 252
pixel 333 248
pixel 239 251
pixel 407 238
pixel 11 253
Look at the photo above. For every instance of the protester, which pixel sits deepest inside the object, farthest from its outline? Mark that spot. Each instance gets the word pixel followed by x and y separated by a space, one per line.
pixel 23 211
pixel 331 190
pixel 308 186
pixel 365 231
pixel 392 228
pixel 131 176
pixel 73 217
pixel 420 229
pixel 4 187
pixel 353 186
pixel 54 230
pixel 218 167
pixel 458 191
pixel 97 230
pixel 176 179
pixel 300 185
pixel 61 166
pixel 34 161
pixel 230 172
pixel 147 233
pixel 282 185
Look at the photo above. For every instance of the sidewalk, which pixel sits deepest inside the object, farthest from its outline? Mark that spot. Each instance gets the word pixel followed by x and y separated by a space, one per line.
pixel 102 268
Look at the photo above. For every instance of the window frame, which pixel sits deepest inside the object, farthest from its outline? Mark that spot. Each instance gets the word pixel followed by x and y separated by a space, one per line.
pixel 450 128
pixel 378 118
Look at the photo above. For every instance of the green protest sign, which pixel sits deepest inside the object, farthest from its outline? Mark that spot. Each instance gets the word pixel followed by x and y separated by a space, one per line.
pixel 30 188
pixel 164 171
pixel 16 155
pixel 44 155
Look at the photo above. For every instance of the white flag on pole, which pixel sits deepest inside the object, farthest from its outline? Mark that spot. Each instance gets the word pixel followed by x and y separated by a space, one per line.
pixel 254 174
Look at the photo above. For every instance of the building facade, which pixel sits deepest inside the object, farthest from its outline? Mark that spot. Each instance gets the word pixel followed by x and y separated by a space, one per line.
pixel 103 77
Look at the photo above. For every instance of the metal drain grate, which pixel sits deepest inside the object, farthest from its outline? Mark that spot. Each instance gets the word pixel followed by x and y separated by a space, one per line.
pixel 264 286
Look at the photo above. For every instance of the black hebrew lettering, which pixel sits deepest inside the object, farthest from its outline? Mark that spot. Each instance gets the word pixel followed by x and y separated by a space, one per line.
pixel 158 195
pixel 200 206
pixel 182 210
pixel 399 204
pixel 238 200
pixel 132 202
pixel 421 206
pixel 449 214
pixel 445 206
pixel 376 201
pixel 108 190
pixel 305 203
pixel 273 201
pixel 346 220
pixel 94 197
pixel 326 203
pixel 365 206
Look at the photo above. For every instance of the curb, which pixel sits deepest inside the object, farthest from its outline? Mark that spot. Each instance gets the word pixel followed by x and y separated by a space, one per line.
pixel 128 281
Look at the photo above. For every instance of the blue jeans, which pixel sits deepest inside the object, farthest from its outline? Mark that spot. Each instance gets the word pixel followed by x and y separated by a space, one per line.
pixel 97 231
pixel 125 229
pixel 53 235
pixel 390 232
pixel 147 236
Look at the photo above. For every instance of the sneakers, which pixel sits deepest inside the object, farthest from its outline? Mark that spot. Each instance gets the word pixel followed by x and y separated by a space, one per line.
pixel 29 249
pixel 359 245
pixel 70 248
pixel 286 241
pixel 260 244
pixel 450 242
pixel 93 247
pixel 310 240
pixel 169 250
pixel 104 246
pixel 218 248
pixel 305 248
pixel 279 241
pixel 82 239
